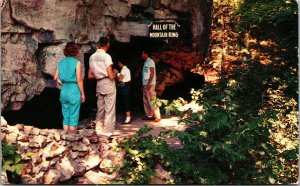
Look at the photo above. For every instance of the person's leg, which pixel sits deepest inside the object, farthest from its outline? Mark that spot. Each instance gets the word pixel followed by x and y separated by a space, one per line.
pixel 154 108
pixel 146 101
pixel 100 113
pixel 72 129
pixel 125 94
pixel 74 113
pixel 66 115
pixel 110 109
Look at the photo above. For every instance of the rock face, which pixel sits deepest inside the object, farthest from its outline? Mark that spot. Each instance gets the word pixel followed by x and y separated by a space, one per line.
pixel 34 32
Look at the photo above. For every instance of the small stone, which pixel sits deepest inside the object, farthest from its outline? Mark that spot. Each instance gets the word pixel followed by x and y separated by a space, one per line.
pixel 79 167
pixel 23 137
pixel 44 132
pixel 85 141
pixel 87 132
pixel 27 179
pixel 94 139
pixel 92 161
pixel 35 131
pixel 3 122
pixel 66 169
pixel 80 147
pixel 74 154
pixel 27 129
pixel 12 137
pixel 56 136
pixel 52 176
pixel 20 127
pixel 47 153
pixel 12 129
pixel 92 177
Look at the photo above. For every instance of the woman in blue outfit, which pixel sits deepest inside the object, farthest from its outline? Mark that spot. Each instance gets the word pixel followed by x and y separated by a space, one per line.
pixel 72 93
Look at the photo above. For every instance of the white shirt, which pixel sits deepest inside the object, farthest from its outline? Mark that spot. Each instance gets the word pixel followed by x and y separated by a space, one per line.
pixel 99 61
pixel 126 73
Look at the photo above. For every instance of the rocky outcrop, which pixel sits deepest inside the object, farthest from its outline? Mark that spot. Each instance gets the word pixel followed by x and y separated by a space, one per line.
pixel 34 32
pixel 53 156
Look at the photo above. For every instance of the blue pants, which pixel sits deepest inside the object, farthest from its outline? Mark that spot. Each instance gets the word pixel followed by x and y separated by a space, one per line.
pixel 70 103
pixel 125 91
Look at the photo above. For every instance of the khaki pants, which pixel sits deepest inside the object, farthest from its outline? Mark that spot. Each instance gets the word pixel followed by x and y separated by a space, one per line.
pixel 150 109
pixel 106 104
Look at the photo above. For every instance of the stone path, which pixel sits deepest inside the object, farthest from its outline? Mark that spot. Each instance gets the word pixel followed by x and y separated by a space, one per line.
pixel 166 123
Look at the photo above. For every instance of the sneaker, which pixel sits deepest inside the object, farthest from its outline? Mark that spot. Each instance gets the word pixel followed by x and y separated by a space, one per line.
pixel 148 118
pixel 127 122
pixel 157 120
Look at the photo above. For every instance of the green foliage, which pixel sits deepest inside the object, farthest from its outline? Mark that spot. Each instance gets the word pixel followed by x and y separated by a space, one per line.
pixel 11 161
pixel 143 153
pixel 158 102
pixel 276 20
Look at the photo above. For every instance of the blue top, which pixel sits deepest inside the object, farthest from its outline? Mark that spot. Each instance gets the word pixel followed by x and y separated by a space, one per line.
pixel 146 72
pixel 67 69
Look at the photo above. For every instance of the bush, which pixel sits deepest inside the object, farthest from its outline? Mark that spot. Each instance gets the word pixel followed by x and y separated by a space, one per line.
pixel 11 162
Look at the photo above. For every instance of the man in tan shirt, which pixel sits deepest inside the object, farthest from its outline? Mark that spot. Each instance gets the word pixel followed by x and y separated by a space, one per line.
pixel 101 69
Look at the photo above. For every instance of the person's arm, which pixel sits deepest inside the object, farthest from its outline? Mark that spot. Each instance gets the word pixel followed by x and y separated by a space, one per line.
pixel 150 78
pixel 111 74
pixel 121 77
pixel 79 81
pixel 90 74
pixel 56 74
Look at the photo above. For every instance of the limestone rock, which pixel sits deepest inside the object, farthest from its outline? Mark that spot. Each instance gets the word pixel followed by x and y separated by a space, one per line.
pixel 11 137
pixel 87 132
pixel 12 129
pixel 35 131
pixel 52 176
pixel 92 161
pixel 161 176
pixel 74 154
pixel 66 169
pixel 92 177
pixel 80 147
pixel 4 179
pixel 36 141
pixel 53 149
pixel 3 122
pixel 27 129
pixel 28 179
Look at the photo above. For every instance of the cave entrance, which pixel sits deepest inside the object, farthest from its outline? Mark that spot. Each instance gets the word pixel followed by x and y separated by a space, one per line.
pixel 44 110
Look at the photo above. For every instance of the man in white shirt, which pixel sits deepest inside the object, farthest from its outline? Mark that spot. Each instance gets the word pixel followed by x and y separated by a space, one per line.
pixel 101 69
pixel 149 82
pixel 125 77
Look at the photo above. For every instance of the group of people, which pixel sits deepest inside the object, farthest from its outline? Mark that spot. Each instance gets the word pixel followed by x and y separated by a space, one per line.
pixel 101 69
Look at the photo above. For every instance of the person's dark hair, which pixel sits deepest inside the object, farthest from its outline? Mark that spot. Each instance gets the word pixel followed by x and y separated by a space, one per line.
pixel 145 50
pixel 123 62
pixel 103 41
pixel 71 49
